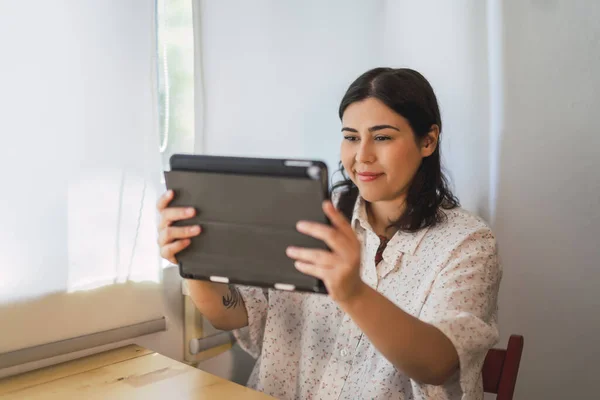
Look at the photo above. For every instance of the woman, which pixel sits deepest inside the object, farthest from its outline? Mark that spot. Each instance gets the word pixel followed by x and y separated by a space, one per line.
pixel 412 278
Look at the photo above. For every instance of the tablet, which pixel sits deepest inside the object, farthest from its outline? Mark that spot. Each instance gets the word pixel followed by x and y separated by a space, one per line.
pixel 248 209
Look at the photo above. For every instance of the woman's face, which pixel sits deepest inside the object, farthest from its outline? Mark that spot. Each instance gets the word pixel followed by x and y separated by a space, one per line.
pixel 379 150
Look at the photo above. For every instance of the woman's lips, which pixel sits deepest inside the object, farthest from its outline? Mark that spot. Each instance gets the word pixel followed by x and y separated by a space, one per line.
pixel 368 176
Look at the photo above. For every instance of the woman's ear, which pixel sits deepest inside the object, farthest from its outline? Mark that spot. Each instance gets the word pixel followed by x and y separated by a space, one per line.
pixel 430 141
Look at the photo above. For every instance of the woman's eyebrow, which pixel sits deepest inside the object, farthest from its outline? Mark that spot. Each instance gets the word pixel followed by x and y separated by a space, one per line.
pixel 380 127
pixel 371 129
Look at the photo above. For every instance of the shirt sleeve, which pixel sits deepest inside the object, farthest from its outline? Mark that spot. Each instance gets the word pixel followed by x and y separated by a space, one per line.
pixel 256 301
pixel 463 303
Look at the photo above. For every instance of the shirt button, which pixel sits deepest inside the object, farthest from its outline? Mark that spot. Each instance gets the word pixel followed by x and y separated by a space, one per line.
pixel 344 353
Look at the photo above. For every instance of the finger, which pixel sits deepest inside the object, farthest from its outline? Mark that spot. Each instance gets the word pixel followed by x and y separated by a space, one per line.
pixel 170 234
pixel 326 233
pixel 312 256
pixel 164 200
pixel 171 214
pixel 337 219
pixel 310 269
pixel 168 252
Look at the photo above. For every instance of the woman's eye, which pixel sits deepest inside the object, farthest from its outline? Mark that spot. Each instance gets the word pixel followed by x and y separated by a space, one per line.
pixel 382 138
pixel 350 138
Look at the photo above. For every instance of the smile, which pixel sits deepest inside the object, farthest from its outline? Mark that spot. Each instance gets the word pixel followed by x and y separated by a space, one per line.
pixel 368 177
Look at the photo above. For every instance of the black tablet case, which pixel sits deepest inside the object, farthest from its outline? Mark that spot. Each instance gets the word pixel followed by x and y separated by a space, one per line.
pixel 248 209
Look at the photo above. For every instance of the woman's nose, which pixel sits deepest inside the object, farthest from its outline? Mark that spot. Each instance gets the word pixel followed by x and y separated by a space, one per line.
pixel 365 153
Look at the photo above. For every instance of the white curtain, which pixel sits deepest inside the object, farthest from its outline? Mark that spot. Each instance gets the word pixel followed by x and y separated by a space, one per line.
pixel 81 169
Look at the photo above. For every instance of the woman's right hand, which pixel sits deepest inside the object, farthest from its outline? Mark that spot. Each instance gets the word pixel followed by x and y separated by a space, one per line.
pixel 173 239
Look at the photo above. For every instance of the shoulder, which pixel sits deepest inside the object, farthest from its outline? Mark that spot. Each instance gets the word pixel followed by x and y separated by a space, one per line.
pixel 459 219
pixel 462 228
pixel 461 247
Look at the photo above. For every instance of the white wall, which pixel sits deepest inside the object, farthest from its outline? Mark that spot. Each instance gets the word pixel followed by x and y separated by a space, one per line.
pixel 447 43
pixel 274 91
pixel 275 72
pixel 548 194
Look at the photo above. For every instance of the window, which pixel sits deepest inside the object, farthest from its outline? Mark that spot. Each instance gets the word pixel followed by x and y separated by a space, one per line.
pixel 175 77
pixel 83 171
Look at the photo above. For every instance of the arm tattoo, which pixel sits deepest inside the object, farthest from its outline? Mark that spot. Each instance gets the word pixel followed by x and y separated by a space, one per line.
pixel 233 298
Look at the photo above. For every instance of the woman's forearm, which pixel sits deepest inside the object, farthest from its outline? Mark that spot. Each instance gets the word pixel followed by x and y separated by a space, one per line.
pixel 221 304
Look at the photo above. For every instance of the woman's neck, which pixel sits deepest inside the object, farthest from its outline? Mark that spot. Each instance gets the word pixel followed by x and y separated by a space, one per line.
pixel 382 213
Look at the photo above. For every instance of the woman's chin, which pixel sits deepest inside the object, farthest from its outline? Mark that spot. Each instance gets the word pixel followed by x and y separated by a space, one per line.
pixel 374 196
pixel 371 196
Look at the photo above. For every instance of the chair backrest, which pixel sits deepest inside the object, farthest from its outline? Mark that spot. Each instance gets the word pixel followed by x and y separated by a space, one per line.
pixel 501 367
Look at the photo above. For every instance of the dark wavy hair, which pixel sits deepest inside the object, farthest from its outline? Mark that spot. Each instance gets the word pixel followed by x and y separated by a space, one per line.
pixel 409 94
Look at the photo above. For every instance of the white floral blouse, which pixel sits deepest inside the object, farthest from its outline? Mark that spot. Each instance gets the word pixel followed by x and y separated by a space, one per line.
pixel 447 276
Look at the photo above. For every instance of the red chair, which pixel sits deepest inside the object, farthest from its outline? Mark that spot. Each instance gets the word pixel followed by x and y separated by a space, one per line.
pixel 501 367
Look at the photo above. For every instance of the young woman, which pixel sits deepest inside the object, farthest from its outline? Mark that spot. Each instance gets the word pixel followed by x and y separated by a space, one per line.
pixel 412 278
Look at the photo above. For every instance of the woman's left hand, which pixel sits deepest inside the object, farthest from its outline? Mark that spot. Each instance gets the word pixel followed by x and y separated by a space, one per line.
pixel 339 268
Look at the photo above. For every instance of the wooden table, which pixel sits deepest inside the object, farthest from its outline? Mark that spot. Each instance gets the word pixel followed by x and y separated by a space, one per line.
pixel 130 372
